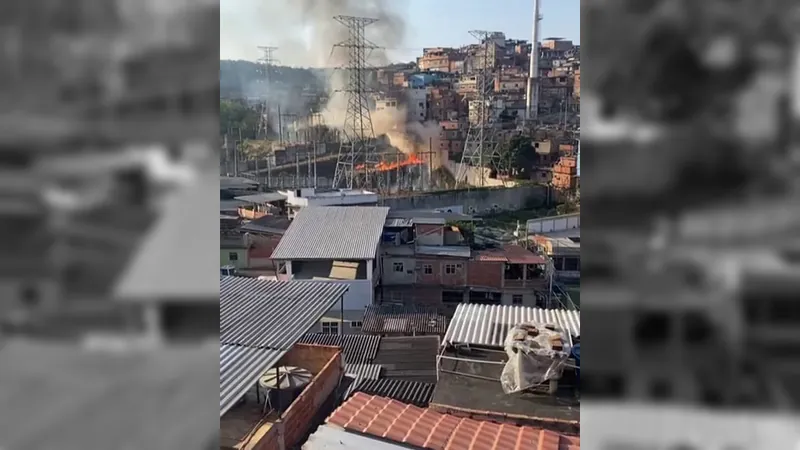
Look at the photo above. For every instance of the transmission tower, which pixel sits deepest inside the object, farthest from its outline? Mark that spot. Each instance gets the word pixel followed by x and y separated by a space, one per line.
pixel 357 150
pixel 480 148
pixel 268 60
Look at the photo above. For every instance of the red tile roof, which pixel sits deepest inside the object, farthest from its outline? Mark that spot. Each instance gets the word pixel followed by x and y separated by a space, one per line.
pixel 431 430
pixel 520 255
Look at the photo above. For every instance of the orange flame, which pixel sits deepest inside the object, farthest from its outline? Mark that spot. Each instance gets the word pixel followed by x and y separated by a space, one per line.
pixel 383 166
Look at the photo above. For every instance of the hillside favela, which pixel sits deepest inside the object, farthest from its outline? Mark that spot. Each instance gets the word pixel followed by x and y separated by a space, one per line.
pixel 399 229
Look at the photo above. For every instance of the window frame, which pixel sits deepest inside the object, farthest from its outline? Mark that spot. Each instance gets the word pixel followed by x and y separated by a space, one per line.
pixel 327 324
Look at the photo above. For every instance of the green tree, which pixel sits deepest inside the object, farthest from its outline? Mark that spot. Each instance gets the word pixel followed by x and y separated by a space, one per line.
pixel 237 114
pixel 517 156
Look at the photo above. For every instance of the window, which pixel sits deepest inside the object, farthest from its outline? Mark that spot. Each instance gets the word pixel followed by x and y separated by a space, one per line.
pixel 452 269
pixel 330 327
pixel 427 269
pixel 396 296
pixel 233 256
pixel 516 299
pixel 398 267
pixel 356 324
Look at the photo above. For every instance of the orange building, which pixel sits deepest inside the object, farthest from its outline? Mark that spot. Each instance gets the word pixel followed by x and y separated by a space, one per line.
pixel 565 173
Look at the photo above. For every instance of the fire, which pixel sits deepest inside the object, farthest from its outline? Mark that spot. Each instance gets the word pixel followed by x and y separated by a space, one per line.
pixel 383 166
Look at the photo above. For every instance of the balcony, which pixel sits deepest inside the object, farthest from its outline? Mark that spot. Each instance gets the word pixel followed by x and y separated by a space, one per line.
pixel 521 276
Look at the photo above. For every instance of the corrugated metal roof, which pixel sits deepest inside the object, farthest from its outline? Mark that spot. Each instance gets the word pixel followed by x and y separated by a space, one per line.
pixel 272 314
pixel 397 223
pixel 409 357
pixel 262 197
pixel 357 373
pixel 451 251
pixel 410 392
pixel 363 371
pixel 399 319
pixel 356 348
pixel 238 368
pixel 333 232
pixel 488 325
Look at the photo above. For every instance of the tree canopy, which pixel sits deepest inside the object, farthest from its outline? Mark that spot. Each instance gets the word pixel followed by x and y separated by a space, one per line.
pixel 235 114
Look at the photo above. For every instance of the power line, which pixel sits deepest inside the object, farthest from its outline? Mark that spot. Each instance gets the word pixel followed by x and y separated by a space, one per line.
pixel 268 60
pixel 480 148
pixel 357 151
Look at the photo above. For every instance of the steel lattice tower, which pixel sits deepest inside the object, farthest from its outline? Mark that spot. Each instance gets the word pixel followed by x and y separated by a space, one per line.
pixel 268 60
pixel 480 148
pixel 357 148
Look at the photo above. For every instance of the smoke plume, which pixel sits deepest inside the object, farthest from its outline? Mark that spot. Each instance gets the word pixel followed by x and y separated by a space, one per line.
pixel 305 33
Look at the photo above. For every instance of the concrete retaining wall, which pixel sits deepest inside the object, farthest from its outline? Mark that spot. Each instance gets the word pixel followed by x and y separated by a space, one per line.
pixel 474 201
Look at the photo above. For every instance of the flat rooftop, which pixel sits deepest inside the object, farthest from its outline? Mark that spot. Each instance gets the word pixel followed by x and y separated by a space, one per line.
pixel 465 393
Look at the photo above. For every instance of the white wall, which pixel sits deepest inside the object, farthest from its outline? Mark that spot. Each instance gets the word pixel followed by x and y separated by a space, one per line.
pixel 555 223
pixel 359 295
pixel 404 277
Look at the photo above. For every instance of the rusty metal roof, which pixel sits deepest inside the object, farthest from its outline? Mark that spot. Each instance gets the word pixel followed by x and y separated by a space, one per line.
pixel 403 319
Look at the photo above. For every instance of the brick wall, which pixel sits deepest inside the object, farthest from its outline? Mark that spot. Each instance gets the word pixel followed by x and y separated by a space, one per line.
pixel 485 274
pixel 429 234
pixel 432 278
pixel 327 363
pixel 459 278
pixel 270 441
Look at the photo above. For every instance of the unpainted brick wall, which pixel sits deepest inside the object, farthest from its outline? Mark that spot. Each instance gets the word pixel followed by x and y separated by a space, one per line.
pixel 485 274
pixel 326 363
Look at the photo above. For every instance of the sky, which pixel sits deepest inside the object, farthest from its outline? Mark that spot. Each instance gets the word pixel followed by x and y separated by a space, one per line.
pixel 429 23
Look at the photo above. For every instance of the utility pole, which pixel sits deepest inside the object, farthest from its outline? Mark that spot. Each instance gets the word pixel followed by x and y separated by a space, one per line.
pixel 280 126
pixel 358 146
pixel 297 170
pixel 480 148
pixel 268 60
pixel 308 168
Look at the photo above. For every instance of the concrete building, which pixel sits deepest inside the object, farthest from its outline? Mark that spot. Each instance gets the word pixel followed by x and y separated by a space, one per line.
pixel 565 253
pixel 421 80
pixel 336 244
pixel 510 83
pixel 305 197
pixel 417 104
pixel 427 262
pixel 443 104
pixel 439 59
pixel 557 44
pixel 386 104
pixel 451 137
